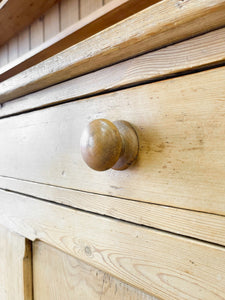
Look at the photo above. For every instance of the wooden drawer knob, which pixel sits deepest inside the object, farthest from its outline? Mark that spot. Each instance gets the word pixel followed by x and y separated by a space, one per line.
pixel 106 145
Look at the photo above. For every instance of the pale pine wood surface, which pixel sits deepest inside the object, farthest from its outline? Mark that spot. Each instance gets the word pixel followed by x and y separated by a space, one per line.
pixel 16 15
pixel 36 33
pixel 3 55
pixel 23 41
pixel 185 56
pixel 88 6
pixel 159 25
pixel 59 276
pixel 64 17
pixel 164 265
pixel 15 266
pixel 13 48
pixel 51 21
pixel 69 13
pixel 179 123
pixel 194 224
pixel 94 22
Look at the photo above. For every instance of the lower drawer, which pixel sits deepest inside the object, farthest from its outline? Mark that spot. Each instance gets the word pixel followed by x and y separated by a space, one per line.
pixel 181 128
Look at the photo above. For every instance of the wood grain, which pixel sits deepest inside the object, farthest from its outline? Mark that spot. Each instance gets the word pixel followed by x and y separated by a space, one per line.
pixel 3 55
pixel 179 123
pixel 161 264
pixel 60 276
pixel 51 22
pixel 189 55
pixel 13 49
pixel 37 33
pixel 104 17
pixel 69 13
pixel 15 266
pixel 194 224
pixel 88 6
pixel 24 41
pixel 159 25
pixel 17 15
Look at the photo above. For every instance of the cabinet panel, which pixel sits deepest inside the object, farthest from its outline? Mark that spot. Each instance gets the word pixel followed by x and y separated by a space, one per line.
pixel 15 266
pixel 59 276
pixel 168 266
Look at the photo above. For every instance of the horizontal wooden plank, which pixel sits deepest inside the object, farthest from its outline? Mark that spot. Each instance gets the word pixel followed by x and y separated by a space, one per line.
pixel 180 124
pixel 16 270
pixel 58 275
pixel 185 56
pixel 165 265
pixel 16 15
pixel 104 17
pixel 159 25
pixel 194 224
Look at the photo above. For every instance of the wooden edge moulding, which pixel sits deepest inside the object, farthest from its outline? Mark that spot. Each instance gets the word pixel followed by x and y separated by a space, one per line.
pixel 198 225
pixel 155 27
pixel 16 15
pixel 104 17
pixel 190 55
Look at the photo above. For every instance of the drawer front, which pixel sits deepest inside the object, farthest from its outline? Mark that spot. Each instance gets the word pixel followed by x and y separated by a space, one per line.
pixel 181 128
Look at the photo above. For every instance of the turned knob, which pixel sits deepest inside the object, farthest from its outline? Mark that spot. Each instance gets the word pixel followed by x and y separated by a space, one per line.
pixel 106 145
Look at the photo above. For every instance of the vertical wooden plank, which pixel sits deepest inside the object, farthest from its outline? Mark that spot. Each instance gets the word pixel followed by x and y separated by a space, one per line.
pixel 58 275
pixel 51 22
pixel 107 1
pixel 13 48
pixel 15 266
pixel 36 33
pixel 69 13
pixel 17 15
pixel 3 55
pixel 24 41
pixel 89 6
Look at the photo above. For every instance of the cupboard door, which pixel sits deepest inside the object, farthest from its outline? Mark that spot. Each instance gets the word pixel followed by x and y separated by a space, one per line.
pixel 15 266
pixel 59 276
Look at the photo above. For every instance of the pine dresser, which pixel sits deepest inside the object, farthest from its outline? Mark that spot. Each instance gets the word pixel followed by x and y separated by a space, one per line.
pixel 112 163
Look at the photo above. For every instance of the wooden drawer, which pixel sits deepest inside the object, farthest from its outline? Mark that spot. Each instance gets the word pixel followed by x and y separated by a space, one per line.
pixel 181 127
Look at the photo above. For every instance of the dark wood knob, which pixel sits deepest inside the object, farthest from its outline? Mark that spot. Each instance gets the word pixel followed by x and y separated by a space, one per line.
pixel 106 145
